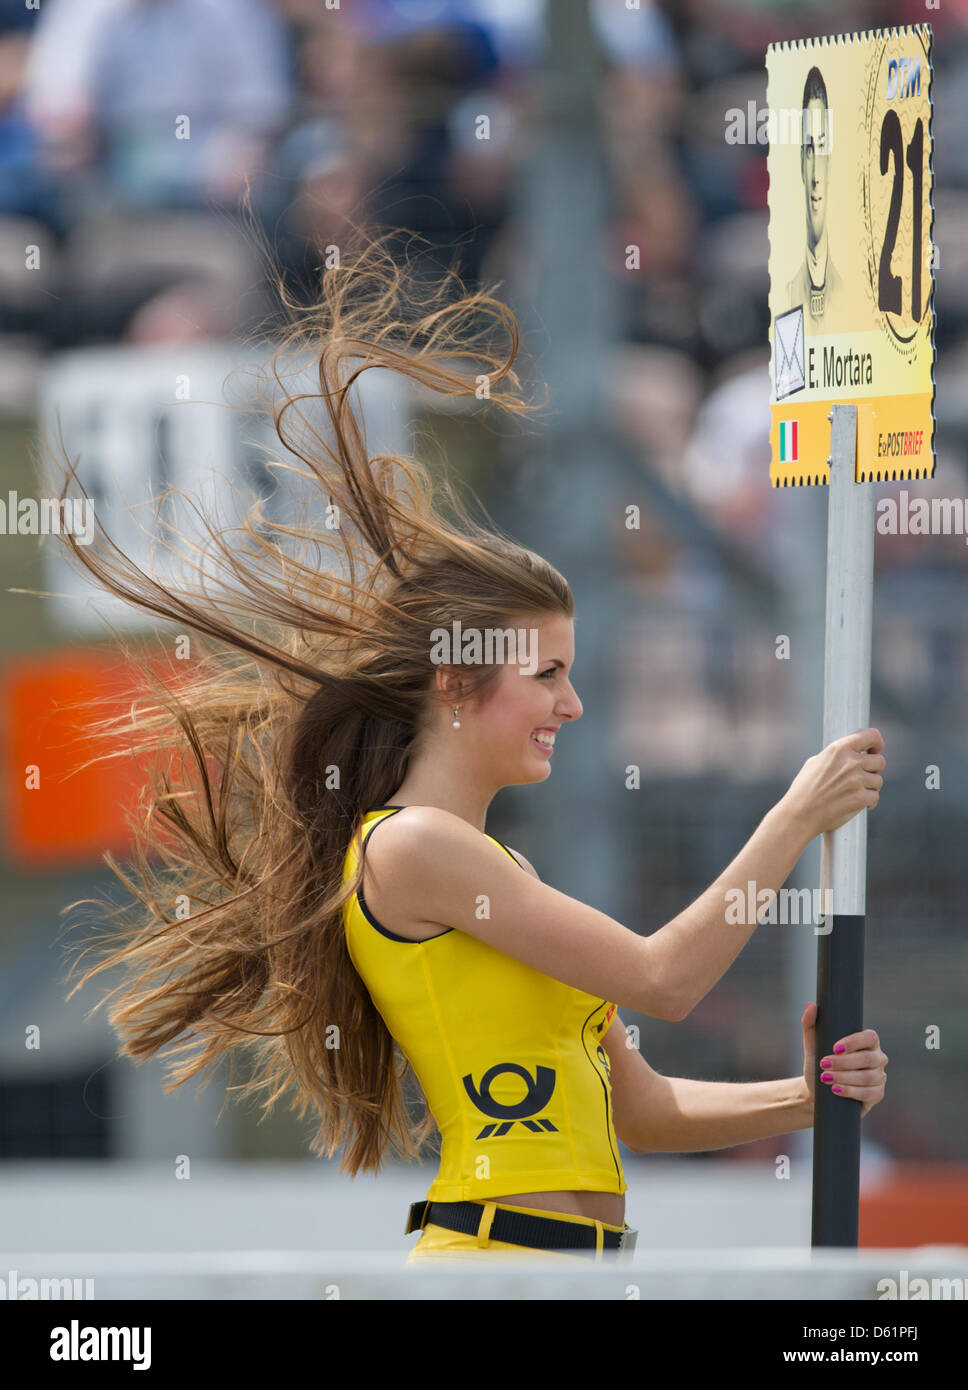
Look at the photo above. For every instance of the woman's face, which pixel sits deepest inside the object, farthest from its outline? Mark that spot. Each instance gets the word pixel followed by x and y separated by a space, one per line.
pixel 515 722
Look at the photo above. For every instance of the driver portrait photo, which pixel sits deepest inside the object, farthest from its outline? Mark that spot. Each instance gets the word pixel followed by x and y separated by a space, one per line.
pixel 817 285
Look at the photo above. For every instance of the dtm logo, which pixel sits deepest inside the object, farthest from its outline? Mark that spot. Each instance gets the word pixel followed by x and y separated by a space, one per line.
pixel 904 77
pixel 540 1089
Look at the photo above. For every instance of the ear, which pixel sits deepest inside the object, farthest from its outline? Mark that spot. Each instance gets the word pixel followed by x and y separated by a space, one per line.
pixel 450 684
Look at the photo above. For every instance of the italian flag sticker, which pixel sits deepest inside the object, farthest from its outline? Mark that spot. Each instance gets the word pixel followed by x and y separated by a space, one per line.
pixel 788 441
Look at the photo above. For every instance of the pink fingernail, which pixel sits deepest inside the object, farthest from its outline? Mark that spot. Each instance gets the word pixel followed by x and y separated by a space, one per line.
pixel 841 1047
pixel 838 1089
pixel 826 1076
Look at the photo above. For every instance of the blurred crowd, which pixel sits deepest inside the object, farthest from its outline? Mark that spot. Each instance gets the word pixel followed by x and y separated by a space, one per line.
pixel 130 128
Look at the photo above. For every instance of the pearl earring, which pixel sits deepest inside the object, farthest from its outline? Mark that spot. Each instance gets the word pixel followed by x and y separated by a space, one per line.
pixel 456 723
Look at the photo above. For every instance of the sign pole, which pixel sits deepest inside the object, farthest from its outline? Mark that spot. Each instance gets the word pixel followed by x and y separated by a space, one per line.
pixel 843 860
pixel 851 271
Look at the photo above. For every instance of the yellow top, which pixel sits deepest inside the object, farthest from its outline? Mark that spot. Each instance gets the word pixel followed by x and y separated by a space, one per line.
pixel 510 1060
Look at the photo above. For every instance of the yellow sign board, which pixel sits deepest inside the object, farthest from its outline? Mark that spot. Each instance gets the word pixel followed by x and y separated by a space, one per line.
pixel 851 256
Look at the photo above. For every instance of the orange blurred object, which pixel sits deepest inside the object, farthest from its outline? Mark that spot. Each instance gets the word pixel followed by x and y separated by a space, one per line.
pixel 916 1204
pixel 56 811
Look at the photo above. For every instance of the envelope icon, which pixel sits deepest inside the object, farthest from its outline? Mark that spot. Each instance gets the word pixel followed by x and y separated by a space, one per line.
pixel 788 352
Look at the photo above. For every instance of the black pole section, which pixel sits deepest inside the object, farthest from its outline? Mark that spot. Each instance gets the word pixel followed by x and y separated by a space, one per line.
pixel 836 1122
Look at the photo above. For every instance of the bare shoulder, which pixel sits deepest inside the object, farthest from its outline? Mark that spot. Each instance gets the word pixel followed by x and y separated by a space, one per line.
pixel 427 868
pixel 419 835
pixel 422 862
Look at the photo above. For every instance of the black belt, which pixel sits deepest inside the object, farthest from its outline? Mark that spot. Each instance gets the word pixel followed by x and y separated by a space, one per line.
pixel 516 1227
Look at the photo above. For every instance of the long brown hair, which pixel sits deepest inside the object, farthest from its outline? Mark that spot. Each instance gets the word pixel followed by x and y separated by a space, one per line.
pixel 310 684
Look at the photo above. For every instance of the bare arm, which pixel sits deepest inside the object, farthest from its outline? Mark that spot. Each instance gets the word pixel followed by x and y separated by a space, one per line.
pixel 694 950
pixel 672 1114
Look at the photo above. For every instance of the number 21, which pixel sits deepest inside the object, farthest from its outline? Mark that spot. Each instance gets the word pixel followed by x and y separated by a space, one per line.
pixel 892 143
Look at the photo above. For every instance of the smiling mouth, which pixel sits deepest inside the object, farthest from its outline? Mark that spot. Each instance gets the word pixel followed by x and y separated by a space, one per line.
pixel 546 742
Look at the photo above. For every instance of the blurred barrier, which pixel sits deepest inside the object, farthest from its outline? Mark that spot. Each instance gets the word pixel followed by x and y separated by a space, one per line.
pixel 771 1274
pixel 203 1203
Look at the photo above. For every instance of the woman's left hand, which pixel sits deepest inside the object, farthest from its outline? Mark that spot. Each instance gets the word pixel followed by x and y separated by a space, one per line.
pixel 857 1071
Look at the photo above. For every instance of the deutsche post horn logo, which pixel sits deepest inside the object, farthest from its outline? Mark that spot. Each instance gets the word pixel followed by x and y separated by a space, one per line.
pixel 540 1089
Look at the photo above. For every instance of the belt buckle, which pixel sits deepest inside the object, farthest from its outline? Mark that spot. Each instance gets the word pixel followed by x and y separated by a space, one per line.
pixel 626 1241
pixel 417 1217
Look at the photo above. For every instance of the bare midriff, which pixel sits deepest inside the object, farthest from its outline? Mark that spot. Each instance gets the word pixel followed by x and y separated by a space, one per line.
pixel 597 1206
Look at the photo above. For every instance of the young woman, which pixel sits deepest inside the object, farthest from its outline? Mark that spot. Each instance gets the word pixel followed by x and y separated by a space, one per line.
pixel 316 891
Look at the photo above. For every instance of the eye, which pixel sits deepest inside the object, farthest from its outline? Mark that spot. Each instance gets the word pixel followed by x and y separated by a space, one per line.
pixel 550 672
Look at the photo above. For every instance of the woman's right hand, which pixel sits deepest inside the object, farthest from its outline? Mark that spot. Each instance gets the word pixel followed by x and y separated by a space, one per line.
pixel 838 782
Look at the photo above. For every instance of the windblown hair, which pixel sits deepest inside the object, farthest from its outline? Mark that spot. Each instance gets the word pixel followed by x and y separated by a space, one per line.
pixel 309 684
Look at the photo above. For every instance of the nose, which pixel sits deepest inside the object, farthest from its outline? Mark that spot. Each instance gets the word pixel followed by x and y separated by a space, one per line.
pixel 571 708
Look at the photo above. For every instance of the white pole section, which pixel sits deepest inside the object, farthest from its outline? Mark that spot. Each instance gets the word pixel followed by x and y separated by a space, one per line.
pixel 847 650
